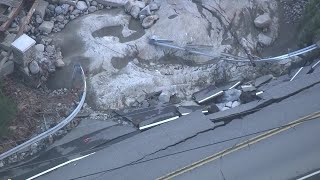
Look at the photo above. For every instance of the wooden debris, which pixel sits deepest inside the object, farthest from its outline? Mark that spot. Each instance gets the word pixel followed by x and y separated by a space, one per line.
pixel 27 19
pixel 15 11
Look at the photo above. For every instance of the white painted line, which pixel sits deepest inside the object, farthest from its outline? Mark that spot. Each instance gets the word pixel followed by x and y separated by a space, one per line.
pixel 207 98
pixel 307 176
pixel 58 166
pixel 157 123
pixel 184 114
pixel 258 93
pixel 315 64
pixel 205 111
pixel 235 85
pixel 296 74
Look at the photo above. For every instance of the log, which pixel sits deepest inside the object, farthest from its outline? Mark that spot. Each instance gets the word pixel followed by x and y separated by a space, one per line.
pixel 15 11
pixel 27 19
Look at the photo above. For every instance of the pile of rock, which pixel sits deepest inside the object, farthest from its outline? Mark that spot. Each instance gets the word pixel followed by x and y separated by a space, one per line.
pixel 143 11
pixel 263 22
pixel 293 10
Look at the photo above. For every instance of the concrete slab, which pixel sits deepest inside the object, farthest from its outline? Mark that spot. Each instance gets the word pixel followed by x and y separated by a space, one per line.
pixel 144 116
pixel 185 110
pixel 207 94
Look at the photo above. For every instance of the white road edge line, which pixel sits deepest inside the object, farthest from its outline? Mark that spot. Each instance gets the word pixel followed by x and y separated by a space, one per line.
pixel 216 94
pixel 58 166
pixel 307 176
pixel 235 85
pixel 157 123
pixel 296 74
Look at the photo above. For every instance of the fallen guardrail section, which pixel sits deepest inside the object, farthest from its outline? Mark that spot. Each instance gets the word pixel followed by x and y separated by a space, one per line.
pixel 77 68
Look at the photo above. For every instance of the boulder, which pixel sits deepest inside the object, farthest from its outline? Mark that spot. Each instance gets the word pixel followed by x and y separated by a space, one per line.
pixel 60 18
pixel 34 67
pixel 59 63
pixel 92 9
pixel 149 21
pixel 231 95
pixel 145 11
pixel 153 6
pixel 46 27
pixel 229 104
pixel 39 47
pixel 58 10
pixel 264 39
pixel 135 10
pixel 114 3
pixel 263 21
pixel 82 6
pixel 235 104
pixel 164 97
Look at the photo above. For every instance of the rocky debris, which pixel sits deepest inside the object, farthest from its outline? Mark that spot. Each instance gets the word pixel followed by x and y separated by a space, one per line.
pixel 235 104
pixel 149 21
pixel 145 11
pixel 263 21
pixel 231 95
pixel 247 97
pixel 213 109
pixel 7 68
pixel 264 40
pixel 46 27
pixel 135 10
pixel 261 80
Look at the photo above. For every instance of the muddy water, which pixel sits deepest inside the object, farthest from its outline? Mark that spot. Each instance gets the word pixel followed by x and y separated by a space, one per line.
pixel 116 31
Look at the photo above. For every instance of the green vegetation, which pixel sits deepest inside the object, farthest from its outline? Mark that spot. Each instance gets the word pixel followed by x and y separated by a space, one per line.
pixel 8 112
pixel 310 24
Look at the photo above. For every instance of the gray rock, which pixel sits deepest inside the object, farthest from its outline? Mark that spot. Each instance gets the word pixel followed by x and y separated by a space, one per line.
pixel 46 26
pixel 82 6
pixel 39 20
pixel 58 10
pixel 263 21
pixel 231 95
pixel 50 49
pixel 149 21
pixel 158 2
pixel 92 9
pixel 264 39
pixel 135 11
pixel 1 164
pixel 7 68
pixel 60 18
pixel 235 104
pixel 8 40
pixel 129 101
pixel 261 80
pixel 248 88
pixel 94 3
pixel 140 4
pixel 51 7
pixel 72 17
pixel 145 11
pixel 41 8
pixel 61 26
pixel 39 47
pixel 114 3
pixel 225 108
pixel 34 67
pixel 76 12
pixel 65 8
pixel 164 97
pixel 229 104
pixel 153 6
pixel 59 63
pixel 128 6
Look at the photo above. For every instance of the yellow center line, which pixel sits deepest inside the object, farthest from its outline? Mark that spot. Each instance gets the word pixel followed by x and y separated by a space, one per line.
pixel 239 146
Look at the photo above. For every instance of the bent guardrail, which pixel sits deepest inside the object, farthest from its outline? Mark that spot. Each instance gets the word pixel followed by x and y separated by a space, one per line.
pixel 55 128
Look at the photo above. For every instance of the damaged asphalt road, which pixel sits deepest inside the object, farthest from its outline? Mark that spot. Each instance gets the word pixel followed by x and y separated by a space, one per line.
pixel 143 150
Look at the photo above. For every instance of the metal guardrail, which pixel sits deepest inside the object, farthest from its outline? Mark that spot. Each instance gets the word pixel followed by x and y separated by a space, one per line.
pixel 55 128
pixel 230 57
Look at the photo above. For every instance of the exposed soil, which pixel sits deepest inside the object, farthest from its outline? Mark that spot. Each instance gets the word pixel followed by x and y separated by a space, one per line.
pixel 36 110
